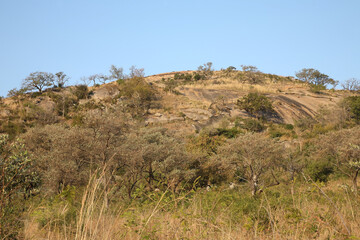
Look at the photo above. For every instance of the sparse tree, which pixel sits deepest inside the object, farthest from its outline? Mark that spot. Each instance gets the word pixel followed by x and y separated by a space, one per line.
pixel 94 78
pixel 251 158
pixel 116 73
pixel 60 79
pixel 206 69
pixel 38 80
pixel 136 72
pixel 85 81
pixel 16 92
pixel 103 78
pixel 249 68
pixel 352 84
pixel 250 74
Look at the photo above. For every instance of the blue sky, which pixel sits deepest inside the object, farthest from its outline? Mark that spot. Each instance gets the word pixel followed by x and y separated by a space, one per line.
pixel 84 37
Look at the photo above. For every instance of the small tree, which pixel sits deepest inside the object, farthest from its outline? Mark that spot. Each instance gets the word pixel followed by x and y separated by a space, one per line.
pixel 16 177
pixel 251 158
pixel 352 84
pixel 38 80
pixel 352 105
pixel 60 79
pixel 313 76
pixel 256 104
pixel 116 73
pixel 250 74
pixel 206 69
pixel 94 78
pixel 343 149
pixel 136 72
pixel 103 78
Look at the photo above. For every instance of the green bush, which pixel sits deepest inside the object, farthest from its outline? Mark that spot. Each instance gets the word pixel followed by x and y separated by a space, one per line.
pixel 17 180
pixel 228 132
pixel 198 76
pixel 256 104
pixel 353 107
pixel 81 92
pixel 317 88
pixel 251 125
pixel 319 170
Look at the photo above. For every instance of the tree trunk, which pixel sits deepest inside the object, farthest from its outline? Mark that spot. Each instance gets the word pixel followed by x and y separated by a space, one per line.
pixel 355 181
pixel 254 183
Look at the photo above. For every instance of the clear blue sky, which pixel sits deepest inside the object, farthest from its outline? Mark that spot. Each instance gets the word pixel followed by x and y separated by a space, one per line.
pixel 84 37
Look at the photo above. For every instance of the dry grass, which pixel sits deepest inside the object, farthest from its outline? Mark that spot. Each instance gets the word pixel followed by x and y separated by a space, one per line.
pixel 219 214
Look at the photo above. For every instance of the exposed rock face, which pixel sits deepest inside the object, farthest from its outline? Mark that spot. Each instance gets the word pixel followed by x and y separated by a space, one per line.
pixel 48 106
pixel 197 114
pixel 104 92
pixel 160 118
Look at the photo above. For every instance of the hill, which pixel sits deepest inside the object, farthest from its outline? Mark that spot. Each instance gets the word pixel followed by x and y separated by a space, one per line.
pixel 183 155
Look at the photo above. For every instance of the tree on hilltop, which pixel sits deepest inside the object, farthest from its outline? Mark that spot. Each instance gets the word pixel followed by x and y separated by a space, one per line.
pixel 315 77
pixel 38 81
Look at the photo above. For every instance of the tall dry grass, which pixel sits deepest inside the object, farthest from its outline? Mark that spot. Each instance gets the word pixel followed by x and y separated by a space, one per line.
pixel 310 211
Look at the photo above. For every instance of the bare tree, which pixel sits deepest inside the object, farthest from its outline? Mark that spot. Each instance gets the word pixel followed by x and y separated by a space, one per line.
pixel 352 84
pixel 103 78
pixel 94 78
pixel 85 80
pixel 60 79
pixel 206 69
pixel 136 72
pixel 116 73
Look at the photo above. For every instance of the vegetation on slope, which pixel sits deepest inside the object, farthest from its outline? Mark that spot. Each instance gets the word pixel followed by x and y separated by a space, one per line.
pixel 81 162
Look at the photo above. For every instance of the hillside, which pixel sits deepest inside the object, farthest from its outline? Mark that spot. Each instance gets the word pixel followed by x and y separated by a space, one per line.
pixel 183 155
pixel 195 103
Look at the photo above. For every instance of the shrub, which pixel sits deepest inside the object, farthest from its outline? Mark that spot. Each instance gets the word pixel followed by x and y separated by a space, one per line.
pixel 228 132
pixel 353 107
pixel 139 95
pixel 170 85
pixel 319 170
pixel 17 180
pixel 198 77
pixel 256 104
pixel 81 91
pixel 252 125
pixel 317 88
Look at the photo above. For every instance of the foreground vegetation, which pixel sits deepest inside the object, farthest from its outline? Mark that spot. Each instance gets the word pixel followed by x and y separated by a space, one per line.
pixel 91 169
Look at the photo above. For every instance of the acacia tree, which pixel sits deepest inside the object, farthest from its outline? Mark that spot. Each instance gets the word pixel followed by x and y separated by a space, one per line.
pixel 250 73
pixel 315 77
pixel 38 81
pixel 251 158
